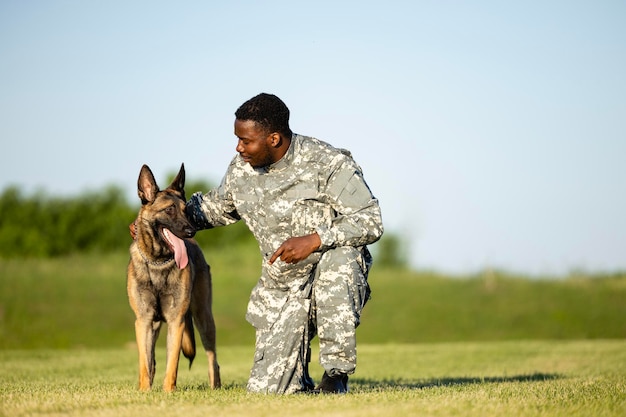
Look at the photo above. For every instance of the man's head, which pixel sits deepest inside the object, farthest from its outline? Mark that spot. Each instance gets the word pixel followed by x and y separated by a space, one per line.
pixel 268 112
pixel 262 127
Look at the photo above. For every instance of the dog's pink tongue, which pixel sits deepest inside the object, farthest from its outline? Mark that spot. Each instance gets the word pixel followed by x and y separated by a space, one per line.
pixel 180 250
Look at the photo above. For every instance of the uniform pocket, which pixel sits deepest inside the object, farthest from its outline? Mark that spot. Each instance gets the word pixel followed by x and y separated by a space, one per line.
pixel 308 215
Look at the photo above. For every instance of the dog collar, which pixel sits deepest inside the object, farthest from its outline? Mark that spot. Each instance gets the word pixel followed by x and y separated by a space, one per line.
pixel 154 263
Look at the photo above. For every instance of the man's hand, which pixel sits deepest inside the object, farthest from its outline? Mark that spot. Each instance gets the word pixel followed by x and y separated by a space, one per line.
pixel 132 228
pixel 296 249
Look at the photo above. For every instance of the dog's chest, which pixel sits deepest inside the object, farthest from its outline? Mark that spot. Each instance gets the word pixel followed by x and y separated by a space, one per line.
pixel 161 292
pixel 162 281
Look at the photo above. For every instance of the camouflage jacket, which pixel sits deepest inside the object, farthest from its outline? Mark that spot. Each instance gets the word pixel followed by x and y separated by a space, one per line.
pixel 313 188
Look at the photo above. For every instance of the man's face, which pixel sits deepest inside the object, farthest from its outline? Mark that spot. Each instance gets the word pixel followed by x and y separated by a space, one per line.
pixel 254 144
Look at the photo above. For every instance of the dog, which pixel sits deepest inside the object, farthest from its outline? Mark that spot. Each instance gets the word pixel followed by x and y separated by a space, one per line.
pixel 168 280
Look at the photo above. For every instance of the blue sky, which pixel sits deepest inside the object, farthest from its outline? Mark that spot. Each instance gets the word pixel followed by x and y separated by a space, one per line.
pixel 493 133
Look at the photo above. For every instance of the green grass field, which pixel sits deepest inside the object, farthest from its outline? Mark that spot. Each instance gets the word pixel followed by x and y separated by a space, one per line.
pixel 80 302
pixel 482 379
pixel 491 344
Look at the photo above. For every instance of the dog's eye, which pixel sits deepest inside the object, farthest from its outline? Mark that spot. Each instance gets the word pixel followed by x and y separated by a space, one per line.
pixel 170 210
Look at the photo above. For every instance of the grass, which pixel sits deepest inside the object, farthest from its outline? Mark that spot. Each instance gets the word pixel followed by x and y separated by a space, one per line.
pixel 491 344
pixel 523 378
pixel 80 301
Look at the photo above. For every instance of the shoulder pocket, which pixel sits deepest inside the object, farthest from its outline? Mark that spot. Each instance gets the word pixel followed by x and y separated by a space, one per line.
pixel 350 189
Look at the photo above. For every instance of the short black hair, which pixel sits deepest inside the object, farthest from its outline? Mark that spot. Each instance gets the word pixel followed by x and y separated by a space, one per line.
pixel 268 111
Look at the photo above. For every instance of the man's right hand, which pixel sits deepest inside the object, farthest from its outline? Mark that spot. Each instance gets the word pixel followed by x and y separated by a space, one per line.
pixel 133 230
pixel 295 249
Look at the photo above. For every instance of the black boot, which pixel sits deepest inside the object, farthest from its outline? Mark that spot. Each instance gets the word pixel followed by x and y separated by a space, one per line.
pixel 337 384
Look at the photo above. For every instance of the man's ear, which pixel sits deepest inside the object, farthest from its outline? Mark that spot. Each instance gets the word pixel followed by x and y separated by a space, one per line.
pixel 275 139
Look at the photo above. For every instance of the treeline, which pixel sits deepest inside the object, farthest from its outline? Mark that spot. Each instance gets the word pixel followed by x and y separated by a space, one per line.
pixel 40 225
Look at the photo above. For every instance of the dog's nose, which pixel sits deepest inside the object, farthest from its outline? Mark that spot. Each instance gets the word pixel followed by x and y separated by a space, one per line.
pixel 190 231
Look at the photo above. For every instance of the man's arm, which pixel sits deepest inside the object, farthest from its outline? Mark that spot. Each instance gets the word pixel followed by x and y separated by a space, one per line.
pixel 209 210
pixel 359 220
pixel 214 208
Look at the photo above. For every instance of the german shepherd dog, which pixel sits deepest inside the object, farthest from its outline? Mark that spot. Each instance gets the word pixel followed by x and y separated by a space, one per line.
pixel 168 281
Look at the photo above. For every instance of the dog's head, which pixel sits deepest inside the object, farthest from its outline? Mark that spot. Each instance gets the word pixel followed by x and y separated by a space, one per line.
pixel 164 209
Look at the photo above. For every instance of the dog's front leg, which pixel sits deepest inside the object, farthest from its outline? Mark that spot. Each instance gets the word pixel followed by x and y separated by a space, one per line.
pixel 174 340
pixel 146 333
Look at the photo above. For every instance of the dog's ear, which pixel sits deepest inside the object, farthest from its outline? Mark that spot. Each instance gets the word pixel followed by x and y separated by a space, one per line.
pixel 178 184
pixel 147 187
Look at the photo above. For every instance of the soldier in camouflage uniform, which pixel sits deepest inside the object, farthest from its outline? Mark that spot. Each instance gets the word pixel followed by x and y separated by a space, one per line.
pixel 312 214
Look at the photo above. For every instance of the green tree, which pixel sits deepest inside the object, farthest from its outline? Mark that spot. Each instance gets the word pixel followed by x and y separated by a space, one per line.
pixel 391 250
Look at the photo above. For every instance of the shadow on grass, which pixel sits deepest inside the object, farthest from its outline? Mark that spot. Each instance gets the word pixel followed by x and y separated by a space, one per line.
pixel 360 384
pixel 357 385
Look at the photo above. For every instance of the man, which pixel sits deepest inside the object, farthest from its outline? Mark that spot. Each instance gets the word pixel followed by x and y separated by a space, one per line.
pixel 312 214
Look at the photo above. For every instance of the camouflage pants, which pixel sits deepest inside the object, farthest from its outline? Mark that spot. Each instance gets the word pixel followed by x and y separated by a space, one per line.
pixel 329 305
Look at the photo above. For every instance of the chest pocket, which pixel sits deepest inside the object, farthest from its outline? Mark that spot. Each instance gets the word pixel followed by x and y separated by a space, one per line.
pixel 308 211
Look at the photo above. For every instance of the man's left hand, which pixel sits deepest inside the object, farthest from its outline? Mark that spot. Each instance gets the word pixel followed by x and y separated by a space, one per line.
pixel 296 249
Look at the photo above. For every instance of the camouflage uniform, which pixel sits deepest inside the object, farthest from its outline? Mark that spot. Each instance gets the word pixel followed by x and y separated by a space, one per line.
pixel 313 188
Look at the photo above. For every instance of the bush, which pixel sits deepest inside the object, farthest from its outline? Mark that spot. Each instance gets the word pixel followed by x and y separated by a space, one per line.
pixel 40 225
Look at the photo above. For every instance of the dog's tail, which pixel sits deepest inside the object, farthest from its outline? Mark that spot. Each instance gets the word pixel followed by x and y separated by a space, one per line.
pixel 189 339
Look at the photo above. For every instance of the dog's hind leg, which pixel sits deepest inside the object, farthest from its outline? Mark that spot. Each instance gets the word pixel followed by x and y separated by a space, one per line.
pixel 203 316
pixel 156 328
pixel 206 328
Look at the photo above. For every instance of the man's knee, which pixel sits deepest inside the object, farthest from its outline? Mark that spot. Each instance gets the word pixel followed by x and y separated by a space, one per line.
pixel 345 260
pixel 341 280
